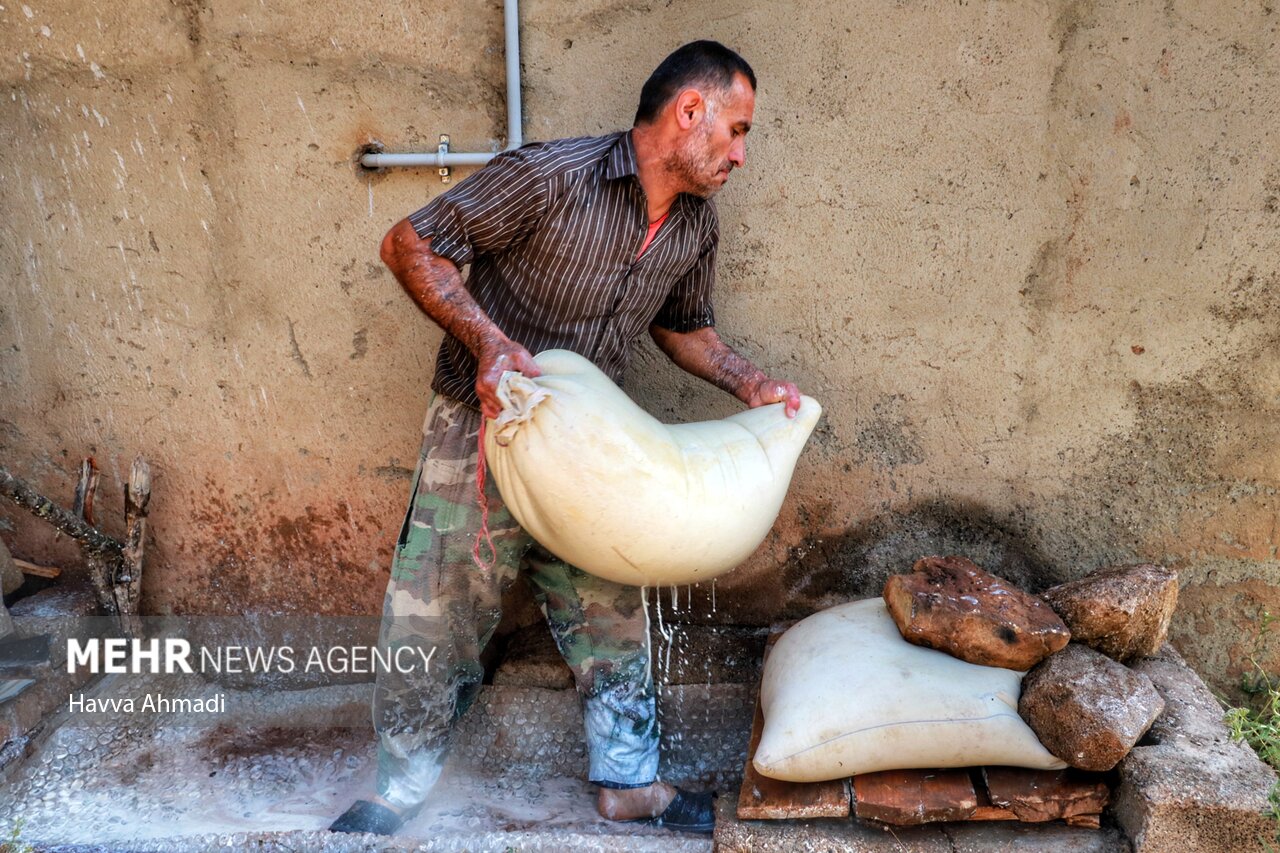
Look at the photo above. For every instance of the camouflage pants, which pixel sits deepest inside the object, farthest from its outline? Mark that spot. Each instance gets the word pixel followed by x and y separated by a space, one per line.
pixel 443 606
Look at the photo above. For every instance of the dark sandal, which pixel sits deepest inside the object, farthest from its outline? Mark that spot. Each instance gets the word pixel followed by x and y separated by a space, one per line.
pixel 689 812
pixel 364 816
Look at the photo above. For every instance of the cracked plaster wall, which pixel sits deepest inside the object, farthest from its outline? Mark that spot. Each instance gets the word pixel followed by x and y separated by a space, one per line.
pixel 1025 253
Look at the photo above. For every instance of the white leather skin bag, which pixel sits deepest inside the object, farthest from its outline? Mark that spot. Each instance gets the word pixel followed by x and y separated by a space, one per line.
pixel 843 693
pixel 606 487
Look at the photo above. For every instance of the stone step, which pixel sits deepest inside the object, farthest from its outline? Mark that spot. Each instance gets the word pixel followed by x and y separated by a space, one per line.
pixel 59 612
pixel 276 768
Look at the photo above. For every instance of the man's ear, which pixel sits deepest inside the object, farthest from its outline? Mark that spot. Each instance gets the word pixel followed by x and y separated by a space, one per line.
pixel 690 107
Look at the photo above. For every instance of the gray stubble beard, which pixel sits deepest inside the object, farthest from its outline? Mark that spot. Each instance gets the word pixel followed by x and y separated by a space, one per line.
pixel 690 163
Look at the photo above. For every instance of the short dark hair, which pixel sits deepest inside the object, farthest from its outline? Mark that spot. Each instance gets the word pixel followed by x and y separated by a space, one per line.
pixel 696 63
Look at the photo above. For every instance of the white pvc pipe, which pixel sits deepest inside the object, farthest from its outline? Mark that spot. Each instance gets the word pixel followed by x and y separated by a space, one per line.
pixel 435 159
pixel 511 24
pixel 515 130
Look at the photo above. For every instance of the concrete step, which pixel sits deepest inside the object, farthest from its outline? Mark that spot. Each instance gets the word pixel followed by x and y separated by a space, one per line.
pixel 58 612
pixel 275 768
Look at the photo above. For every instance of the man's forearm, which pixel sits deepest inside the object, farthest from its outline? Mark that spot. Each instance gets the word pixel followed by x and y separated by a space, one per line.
pixel 704 354
pixel 435 284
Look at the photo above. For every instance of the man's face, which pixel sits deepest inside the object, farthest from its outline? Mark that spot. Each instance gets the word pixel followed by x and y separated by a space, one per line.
pixel 717 144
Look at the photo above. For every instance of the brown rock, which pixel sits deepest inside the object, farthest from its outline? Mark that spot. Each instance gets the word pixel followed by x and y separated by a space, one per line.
pixel 1087 709
pixel 949 604
pixel 1123 611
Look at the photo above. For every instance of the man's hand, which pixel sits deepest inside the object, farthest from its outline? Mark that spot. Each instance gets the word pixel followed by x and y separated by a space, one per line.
pixel 495 356
pixel 768 391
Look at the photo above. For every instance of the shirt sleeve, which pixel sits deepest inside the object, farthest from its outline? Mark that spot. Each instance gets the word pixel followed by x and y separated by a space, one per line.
pixel 688 306
pixel 491 210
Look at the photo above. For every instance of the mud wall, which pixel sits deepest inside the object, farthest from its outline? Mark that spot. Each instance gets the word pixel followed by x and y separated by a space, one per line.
pixel 1025 253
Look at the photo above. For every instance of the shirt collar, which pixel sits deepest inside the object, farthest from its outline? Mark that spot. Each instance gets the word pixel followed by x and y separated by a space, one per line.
pixel 622 158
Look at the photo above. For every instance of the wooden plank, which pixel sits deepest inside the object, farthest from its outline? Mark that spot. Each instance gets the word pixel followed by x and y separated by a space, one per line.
pixel 762 798
pixel 1090 821
pixel 39 571
pixel 1041 795
pixel 992 813
pixel 986 810
pixel 912 797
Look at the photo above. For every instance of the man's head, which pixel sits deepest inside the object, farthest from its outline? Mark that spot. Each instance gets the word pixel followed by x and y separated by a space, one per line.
pixel 702 98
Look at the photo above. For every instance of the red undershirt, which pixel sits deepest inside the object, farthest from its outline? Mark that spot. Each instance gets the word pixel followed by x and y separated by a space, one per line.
pixel 653 232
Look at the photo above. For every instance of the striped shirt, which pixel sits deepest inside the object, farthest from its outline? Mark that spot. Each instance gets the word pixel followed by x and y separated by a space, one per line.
pixel 552 232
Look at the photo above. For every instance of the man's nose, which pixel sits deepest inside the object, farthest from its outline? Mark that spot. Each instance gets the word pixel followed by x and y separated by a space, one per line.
pixel 738 154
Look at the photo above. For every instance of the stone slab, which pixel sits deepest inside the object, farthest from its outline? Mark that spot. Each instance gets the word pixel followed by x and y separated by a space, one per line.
pixel 66 610
pixel 532 660
pixel 1187 786
pixel 62 611
pixel 819 835
pixel 1033 838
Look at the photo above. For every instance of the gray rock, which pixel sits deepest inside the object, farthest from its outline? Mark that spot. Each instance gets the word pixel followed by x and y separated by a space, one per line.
pixel 1122 611
pixel 1087 709
pixel 10 575
pixel 1188 787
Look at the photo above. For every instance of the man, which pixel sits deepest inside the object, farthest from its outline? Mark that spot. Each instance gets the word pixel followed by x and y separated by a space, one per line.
pixel 577 244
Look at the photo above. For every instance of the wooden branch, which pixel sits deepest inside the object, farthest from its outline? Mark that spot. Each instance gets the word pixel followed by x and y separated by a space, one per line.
pixel 39 571
pixel 115 568
pixel 128 583
pixel 95 542
pixel 86 489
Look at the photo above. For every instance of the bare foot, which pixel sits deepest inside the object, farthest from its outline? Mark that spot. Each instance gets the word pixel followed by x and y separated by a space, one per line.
pixel 635 803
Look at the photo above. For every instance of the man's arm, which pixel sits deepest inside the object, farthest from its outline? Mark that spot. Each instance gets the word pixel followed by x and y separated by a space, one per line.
pixel 702 353
pixel 436 285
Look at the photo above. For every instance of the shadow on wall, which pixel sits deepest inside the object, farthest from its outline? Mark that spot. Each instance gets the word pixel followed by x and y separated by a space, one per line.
pixel 856 565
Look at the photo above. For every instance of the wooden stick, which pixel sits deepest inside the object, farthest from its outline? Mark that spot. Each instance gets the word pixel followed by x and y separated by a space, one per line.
pixel 86 489
pixel 128 583
pixel 95 542
pixel 38 571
